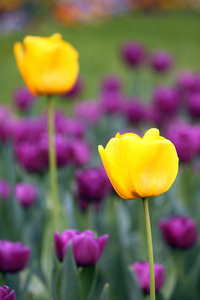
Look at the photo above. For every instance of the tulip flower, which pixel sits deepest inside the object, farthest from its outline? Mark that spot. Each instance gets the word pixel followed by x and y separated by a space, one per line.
pixel 179 232
pixel 5 293
pixel 86 248
pixel 48 65
pixel 141 270
pixel 140 167
pixel 14 256
pixel 26 194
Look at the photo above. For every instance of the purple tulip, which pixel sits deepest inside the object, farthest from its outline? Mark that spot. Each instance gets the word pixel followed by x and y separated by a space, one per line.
pixel 186 81
pixel 89 111
pixel 134 110
pixel 5 190
pixel 5 119
pixel 194 105
pixel 86 248
pixel 80 152
pixel 133 53
pixel 141 270
pixel 183 136
pixel 5 293
pixel 31 156
pixel 26 194
pixel 14 256
pixel 161 61
pixel 179 231
pixel 111 102
pixel 92 184
pixel 166 99
pixel 23 98
pixel 111 83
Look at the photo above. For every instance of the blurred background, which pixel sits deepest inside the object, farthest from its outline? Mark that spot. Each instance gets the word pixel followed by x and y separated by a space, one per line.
pixel 97 29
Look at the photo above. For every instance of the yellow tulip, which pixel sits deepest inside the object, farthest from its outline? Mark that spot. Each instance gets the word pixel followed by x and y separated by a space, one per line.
pixel 140 167
pixel 48 65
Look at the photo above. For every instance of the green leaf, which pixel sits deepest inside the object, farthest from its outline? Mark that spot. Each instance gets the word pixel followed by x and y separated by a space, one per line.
pixel 135 290
pixel 171 281
pixel 87 277
pixel 105 292
pixel 70 288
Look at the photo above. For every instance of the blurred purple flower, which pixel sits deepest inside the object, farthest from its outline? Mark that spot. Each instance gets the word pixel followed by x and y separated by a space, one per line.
pixel 92 185
pixel 134 110
pixel 5 293
pixel 111 84
pixel 23 98
pixel 26 194
pixel 186 81
pixel 166 99
pixel 161 61
pixel 80 152
pixel 31 156
pixel 5 190
pixel 141 270
pixel 76 90
pixel 111 102
pixel 88 111
pixel 86 248
pixel 14 256
pixel 179 231
pixel 133 53
pixel 194 105
pixel 183 136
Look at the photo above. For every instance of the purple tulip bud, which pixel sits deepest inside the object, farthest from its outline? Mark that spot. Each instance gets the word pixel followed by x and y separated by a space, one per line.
pixel 183 136
pixel 26 194
pixel 88 111
pixel 5 293
pixel 194 105
pixel 161 61
pixel 5 190
pixel 80 152
pixel 86 248
pixel 166 99
pixel 133 53
pixel 179 232
pixel 31 156
pixel 111 102
pixel 23 98
pixel 141 270
pixel 134 110
pixel 111 84
pixel 14 256
pixel 186 81
pixel 92 184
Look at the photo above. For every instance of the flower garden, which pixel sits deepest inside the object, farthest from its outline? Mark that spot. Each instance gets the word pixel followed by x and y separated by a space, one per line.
pixel 100 160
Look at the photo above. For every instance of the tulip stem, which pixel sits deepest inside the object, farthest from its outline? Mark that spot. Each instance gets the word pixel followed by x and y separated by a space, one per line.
pixel 150 248
pixel 53 164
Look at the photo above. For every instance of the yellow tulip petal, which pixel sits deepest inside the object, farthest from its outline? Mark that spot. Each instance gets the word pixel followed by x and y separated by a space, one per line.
pixel 155 168
pixel 151 135
pixel 116 169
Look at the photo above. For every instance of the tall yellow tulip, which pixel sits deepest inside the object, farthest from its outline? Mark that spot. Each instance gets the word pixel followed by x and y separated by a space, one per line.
pixel 140 167
pixel 48 65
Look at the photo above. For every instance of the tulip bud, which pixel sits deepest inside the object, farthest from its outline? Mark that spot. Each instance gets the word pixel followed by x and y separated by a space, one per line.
pixel 86 248
pixel 26 194
pixel 141 270
pixel 14 256
pixel 23 98
pixel 5 293
pixel 133 53
pixel 179 232
pixel 161 61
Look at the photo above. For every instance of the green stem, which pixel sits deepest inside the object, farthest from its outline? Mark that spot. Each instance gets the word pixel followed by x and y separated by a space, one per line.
pixel 52 164
pixel 150 248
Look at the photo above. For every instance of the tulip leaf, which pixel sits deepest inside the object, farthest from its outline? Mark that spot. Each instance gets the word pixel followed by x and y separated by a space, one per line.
pixel 105 292
pixel 70 287
pixel 87 277
pixel 135 291
pixel 170 283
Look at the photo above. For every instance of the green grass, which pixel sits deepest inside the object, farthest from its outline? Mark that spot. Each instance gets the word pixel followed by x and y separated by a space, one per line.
pixel 98 45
